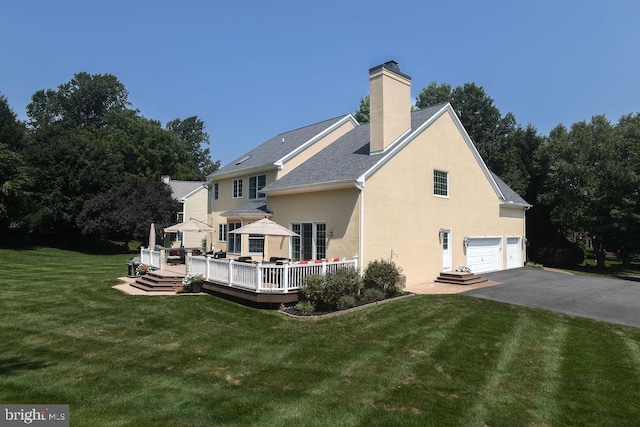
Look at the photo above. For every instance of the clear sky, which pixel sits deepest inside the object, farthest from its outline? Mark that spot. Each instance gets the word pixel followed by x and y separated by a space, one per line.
pixel 253 69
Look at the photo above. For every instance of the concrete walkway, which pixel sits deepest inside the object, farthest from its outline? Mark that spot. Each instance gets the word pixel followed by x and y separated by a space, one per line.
pixel 435 288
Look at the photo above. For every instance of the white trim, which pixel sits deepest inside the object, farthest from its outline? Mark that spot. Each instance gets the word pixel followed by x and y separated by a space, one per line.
pixel 334 185
pixel 390 146
pixel 280 162
pixel 361 239
pixel 192 192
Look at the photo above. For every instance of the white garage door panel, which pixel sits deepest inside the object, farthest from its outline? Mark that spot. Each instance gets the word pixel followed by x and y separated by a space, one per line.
pixel 483 254
pixel 513 252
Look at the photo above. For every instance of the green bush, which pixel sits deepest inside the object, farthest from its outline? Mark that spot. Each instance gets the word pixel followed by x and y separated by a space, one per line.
pixel 305 307
pixel 346 301
pixel 372 295
pixel 383 275
pixel 325 292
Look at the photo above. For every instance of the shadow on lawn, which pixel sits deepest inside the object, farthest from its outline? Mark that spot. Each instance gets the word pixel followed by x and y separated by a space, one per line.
pixel 14 365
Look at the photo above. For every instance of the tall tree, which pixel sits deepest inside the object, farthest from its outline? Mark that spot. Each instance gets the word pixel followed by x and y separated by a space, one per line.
pixel 191 132
pixel 14 174
pixel 126 211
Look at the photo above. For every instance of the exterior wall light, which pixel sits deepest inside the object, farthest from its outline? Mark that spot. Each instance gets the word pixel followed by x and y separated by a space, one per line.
pixel 441 235
pixel 466 241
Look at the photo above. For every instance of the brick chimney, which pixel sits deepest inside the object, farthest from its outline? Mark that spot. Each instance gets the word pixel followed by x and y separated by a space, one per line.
pixel 390 105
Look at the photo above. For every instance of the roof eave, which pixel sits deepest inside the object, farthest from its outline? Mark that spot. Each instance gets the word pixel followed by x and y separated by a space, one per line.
pixel 307 188
pixel 242 172
pixel 514 205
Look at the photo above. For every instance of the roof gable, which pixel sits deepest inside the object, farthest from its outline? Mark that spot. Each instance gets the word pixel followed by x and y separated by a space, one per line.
pixel 182 189
pixel 347 161
pixel 282 147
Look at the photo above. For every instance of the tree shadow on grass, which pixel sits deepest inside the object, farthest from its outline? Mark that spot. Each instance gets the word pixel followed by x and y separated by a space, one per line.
pixel 15 365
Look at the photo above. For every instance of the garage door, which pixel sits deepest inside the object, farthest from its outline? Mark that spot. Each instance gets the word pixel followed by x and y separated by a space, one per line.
pixel 513 252
pixel 484 254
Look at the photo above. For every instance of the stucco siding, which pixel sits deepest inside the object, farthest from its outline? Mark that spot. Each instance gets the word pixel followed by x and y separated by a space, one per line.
pixel 338 209
pixel 403 215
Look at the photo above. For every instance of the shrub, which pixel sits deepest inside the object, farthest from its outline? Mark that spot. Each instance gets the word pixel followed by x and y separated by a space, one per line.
pixel 383 275
pixel 325 292
pixel 305 307
pixel 346 301
pixel 372 294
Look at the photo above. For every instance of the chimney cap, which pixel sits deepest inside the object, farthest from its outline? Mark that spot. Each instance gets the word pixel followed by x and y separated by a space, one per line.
pixel 391 66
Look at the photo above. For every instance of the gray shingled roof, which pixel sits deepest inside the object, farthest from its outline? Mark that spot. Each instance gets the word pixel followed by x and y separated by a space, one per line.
pixel 509 194
pixel 345 159
pixel 179 189
pixel 277 147
pixel 251 208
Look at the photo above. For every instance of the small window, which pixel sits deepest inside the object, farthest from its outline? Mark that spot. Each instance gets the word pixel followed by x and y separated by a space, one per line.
pixel 222 232
pixel 237 188
pixel 215 191
pixel 180 217
pixel 255 185
pixel 256 243
pixel 440 183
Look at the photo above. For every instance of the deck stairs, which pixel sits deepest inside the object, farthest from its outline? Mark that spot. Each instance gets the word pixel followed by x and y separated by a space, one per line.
pixel 159 280
pixel 456 278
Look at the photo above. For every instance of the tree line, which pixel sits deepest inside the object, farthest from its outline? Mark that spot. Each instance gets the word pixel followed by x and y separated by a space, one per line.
pixel 87 164
pixel 583 181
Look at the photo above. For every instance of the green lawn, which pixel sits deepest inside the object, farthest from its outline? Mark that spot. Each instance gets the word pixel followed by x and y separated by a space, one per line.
pixel 118 360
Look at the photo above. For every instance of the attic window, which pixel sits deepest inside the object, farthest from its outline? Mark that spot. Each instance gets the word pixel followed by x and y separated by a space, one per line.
pixel 243 159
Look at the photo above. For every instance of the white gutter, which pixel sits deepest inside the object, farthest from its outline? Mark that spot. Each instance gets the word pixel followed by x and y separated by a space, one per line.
pixel 360 186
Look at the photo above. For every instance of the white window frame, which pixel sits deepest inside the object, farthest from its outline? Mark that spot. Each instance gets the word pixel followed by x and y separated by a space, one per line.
pixel 256 238
pixel 236 190
pixel 254 192
pixel 315 239
pixel 237 237
pixel 222 232
pixel 216 189
pixel 437 186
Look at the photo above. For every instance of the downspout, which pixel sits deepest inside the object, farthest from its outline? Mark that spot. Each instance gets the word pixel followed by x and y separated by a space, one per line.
pixel 360 186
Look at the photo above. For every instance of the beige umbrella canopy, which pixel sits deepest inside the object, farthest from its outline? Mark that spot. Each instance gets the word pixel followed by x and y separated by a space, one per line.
pixel 265 227
pixel 187 226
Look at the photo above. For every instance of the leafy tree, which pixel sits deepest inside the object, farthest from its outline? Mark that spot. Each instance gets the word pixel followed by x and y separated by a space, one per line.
pixel 14 174
pixel 125 212
pixel 433 94
pixel 592 182
pixel 362 115
pixel 83 101
pixel 86 139
pixel 191 132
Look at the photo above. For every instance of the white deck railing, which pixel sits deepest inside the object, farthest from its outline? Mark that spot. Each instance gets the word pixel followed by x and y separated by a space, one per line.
pixel 150 257
pixel 262 277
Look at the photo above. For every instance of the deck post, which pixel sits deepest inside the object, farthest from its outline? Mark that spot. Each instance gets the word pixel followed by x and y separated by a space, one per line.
pixel 285 278
pixel 258 277
pixel 230 273
pixel 324 267
pixel 162 259
pixel 208 267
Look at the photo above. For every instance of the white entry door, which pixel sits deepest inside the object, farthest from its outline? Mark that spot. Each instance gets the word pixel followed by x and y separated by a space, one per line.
pixel 446 250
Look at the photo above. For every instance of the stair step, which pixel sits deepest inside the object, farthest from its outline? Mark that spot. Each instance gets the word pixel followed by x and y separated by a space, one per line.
pixel 455 278
pixel 159 280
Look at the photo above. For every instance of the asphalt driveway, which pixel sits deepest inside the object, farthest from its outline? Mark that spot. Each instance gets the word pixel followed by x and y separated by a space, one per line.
pixel 609 300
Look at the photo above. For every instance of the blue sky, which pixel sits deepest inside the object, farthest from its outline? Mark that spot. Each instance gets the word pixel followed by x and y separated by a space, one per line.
pixel 253 69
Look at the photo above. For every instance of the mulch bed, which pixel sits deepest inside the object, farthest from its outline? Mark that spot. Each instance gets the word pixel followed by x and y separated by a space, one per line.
pixel 291 311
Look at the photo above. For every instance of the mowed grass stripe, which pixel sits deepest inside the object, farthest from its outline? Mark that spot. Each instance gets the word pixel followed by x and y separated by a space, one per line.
pixel 546 409
pixel 425 360
pixel 491 395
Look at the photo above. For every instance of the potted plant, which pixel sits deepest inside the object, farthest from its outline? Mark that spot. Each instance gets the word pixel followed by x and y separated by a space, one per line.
pixel 142 269
pixel 192 283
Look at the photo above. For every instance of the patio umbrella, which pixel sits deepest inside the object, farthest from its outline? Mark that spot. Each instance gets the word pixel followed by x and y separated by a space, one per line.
pixel 187 226
pixel 152 235
pixel 265 227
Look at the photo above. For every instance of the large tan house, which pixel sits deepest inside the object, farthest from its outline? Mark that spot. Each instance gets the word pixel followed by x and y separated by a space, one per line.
pixel 408 186
pixel 193 196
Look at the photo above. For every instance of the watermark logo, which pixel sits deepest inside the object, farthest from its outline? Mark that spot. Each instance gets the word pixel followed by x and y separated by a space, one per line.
pixel 36 415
